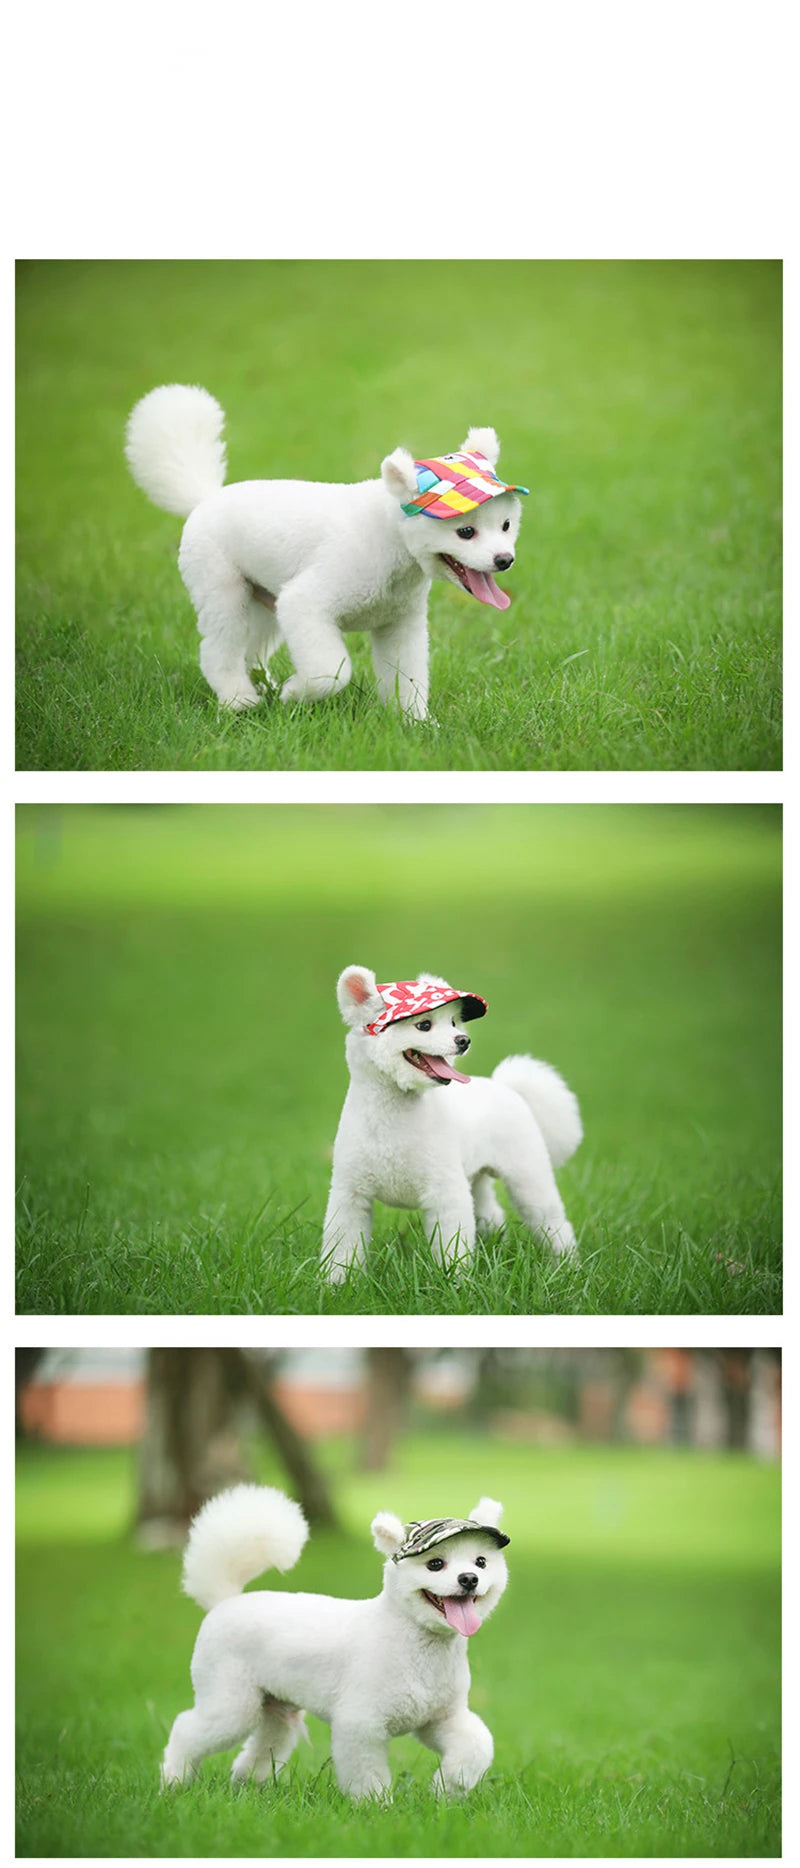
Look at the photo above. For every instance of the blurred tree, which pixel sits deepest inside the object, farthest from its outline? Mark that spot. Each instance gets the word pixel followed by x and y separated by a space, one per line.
pixel 388 1388
pixel 197 1402
pixel 734 1373
pixel 26 1362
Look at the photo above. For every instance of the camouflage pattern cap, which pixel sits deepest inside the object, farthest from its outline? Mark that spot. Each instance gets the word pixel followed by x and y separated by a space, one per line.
pixel 423 1534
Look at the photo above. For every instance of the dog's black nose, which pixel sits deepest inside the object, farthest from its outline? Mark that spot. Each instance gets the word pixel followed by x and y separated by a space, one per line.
pixel 463 1044
pixel 468 1581
pixel 503 560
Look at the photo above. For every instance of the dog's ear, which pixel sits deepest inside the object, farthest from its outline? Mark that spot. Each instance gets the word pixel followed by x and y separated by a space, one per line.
pixel 357 993
pixel 482 441
pixel 487 1511
pixel 431 979
pixel 399 475
pixel 387 1533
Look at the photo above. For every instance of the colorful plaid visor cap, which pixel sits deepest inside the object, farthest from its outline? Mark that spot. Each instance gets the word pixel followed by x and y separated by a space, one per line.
pixel 449 484
pixel 422 1536
pixel 408 998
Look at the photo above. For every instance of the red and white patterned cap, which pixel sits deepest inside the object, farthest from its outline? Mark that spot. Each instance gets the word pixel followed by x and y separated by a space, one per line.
pixel 407 998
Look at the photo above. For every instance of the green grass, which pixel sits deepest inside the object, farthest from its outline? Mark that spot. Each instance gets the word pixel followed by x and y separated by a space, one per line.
pixel 181 1067
pixel 630 1676
pixel 640 402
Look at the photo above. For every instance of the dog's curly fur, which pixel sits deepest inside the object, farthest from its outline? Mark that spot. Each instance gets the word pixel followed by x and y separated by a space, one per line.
pixel 414 1141
pixel 302 561
pixel 372 1669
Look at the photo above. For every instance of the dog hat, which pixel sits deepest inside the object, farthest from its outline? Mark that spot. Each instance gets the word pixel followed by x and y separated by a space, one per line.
pixel 406 998
pixel 453 483
pixel 422 1536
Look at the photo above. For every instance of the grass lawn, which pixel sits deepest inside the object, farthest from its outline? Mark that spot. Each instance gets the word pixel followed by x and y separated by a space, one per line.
pixel 630 1676
pixel 181 1064
pixel 640 402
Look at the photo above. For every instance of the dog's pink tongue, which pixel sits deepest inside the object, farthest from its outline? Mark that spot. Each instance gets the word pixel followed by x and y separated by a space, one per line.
pixel 461 1613
pixel 483 586
pixel 438 1068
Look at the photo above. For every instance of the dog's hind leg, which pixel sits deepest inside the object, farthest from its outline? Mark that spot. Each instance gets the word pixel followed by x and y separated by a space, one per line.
pixel 489 1215
pixel 279 1729
pixel 263 633
pixel 213 1724
pixel 466 1749
pixel 539 1203
pixel 226 613
pixel 315 643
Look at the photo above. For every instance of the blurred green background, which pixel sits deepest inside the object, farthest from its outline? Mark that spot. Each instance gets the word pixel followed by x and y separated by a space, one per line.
pixel 181 1066
pixel 640 402
pixel 630 1676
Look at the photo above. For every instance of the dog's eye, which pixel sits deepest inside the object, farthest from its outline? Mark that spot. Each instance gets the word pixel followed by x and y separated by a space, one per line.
pixel 436 1563
pixel 424 1024
pixel 506 524
pixel 465 531
pixel 480 1563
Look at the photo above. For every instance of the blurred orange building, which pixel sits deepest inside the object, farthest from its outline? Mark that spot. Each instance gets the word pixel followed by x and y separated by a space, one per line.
pixel 658 1396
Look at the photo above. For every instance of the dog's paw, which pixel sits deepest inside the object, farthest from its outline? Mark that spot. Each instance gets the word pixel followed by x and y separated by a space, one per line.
pixel 294 690
pixel 491 1222
pixel 419 716
pixel 316 687
pixel 240 700
pixel 337 1269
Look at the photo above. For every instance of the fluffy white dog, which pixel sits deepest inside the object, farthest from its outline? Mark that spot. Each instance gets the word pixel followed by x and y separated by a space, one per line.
pixel 372 1669
pixel 416 1132
pixel 301 561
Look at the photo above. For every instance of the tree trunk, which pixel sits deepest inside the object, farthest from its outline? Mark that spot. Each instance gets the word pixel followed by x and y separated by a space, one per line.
pixel 388 1385
pixel 190 1448
pixel 26 1362
pixel 309 1484
pixel 192 1444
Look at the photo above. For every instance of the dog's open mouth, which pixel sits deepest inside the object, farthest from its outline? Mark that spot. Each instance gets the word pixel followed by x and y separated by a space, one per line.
pixel 435 1067
pixel 458 1611
pixel 480 584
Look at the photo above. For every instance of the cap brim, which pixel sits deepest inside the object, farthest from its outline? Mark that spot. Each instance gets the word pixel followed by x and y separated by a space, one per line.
pixel 435 506
pixel 474 1007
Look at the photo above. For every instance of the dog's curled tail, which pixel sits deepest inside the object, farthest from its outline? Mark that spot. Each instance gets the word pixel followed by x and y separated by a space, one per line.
pixel 174 446
pixel 237 1535
pixel 551 1101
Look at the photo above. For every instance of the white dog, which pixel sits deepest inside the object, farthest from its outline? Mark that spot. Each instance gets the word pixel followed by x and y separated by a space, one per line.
pixel 299 561
pixel 403 1140
pixel 373 1669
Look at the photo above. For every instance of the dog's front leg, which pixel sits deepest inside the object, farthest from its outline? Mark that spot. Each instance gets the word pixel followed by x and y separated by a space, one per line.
pixel 346 1233
pixel 450 1222
pixel 315 643
pixel 466 1750
pixel 360 1759
pixel 400 661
